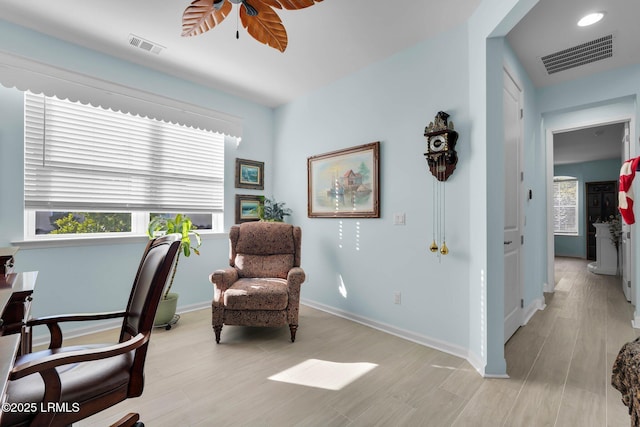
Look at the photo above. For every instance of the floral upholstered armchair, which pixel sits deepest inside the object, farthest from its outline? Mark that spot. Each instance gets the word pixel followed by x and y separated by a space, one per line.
pixel 262 286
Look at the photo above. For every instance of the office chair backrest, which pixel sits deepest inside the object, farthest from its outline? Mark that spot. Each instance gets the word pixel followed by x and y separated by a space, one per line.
pixel 156 265
pixel 151 278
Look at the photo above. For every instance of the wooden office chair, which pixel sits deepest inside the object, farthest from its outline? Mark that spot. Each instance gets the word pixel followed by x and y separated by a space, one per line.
pixel 61 385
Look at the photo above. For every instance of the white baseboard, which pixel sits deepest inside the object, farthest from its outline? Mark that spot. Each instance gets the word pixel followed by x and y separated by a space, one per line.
pixel 477 363
pixel 106 325
pixel 530 310
pixel 436 344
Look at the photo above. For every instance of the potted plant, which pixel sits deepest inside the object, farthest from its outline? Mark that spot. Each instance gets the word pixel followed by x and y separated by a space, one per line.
pixel 615 230
pixel 180 224
pixel 273 211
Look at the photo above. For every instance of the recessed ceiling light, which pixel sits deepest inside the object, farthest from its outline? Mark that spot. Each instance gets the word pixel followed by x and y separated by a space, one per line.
pixel 590 19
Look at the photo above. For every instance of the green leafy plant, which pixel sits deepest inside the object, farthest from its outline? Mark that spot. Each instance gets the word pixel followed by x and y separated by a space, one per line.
pixel 273 211
pixel 615 229
pixel 182 225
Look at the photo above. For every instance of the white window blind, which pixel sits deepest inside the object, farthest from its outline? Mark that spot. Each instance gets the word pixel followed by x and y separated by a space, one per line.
pixel 565 205
pixel 80 157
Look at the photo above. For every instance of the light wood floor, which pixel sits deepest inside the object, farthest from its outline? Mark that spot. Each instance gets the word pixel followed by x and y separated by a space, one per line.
pixel 559 366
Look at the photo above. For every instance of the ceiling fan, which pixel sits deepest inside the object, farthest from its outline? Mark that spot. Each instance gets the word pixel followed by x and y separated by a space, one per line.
pixel 257 16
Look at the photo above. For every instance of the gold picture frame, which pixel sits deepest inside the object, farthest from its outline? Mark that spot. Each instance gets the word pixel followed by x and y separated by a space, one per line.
pixel 344 183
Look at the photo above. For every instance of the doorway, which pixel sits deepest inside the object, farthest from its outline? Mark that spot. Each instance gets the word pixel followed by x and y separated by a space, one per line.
pixel 617 148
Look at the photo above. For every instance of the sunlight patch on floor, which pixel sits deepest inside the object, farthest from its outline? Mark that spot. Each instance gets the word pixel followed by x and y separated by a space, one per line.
pixel 323 374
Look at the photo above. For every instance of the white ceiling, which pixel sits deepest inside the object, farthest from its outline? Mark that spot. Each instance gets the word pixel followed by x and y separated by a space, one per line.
pixel 551 27
pixel 326 41
pixel 588 144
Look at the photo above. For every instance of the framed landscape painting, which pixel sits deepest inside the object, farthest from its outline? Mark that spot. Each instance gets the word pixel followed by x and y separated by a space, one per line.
pixel 249 174
pixel 248 208
pixel 344 183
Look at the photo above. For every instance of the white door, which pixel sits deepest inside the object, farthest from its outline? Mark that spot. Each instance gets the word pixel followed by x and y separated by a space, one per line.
pixel 513 206
pixel 625 244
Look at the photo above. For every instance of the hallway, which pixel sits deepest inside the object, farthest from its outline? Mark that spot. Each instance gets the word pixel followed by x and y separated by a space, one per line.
pixel 563 357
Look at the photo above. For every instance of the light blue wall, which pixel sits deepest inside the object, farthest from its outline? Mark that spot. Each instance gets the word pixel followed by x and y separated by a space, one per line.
pixel 457 300
pixel 602 170
pixel 391 102
pixel 488 52
pixel 99 277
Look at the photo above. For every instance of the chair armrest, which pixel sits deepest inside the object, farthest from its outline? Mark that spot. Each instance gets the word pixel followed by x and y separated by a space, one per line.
pixel 296 277
pixel 52 361
pixel 46 367
pixel 74 317
pixel 223 279
pixel 52 322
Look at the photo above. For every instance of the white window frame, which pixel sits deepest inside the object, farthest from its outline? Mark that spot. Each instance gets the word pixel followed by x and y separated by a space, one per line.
pixel 576 206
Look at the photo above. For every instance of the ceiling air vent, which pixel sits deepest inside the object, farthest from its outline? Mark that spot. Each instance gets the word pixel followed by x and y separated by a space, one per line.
pixel 576 56
pixel 143 44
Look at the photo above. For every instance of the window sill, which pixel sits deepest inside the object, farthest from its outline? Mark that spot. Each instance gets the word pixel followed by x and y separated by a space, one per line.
pixel 567 234
pixel 98 240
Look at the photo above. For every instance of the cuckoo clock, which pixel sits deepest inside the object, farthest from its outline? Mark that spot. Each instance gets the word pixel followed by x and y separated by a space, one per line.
pixel 441 158
pixel 441 147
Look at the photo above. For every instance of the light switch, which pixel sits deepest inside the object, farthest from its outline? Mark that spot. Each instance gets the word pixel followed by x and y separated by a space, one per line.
pixel 399 219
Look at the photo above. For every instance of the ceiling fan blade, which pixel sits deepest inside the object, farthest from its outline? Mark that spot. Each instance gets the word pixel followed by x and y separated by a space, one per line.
pixel 266 27
pixel 203 15
pixel 290 4
pixel 251 11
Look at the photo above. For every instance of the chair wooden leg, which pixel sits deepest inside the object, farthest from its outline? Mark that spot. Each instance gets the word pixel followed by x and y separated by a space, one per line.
pixel 217 329
pixel 293 329
pixel 129 420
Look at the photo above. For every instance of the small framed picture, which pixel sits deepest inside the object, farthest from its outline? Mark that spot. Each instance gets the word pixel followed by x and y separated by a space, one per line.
pixel 248 207
pixel 249 174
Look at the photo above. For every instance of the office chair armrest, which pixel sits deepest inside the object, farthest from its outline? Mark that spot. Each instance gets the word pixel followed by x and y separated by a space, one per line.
pixel 46 367
pixel 48 364
pixel 52 322
pixel 224 278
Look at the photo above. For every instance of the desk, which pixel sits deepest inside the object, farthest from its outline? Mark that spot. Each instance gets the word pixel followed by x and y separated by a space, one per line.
pixel 9 346
pixel 15 304
pixel 15 300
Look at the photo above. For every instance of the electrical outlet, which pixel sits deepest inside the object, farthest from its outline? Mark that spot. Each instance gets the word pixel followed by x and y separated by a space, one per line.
pixel 397 298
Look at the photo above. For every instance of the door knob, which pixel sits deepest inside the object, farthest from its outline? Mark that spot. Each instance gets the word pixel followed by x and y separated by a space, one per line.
pixel 508 242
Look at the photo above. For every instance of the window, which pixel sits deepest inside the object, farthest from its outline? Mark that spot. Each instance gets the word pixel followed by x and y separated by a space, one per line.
pixel 565 205
pixel 89 170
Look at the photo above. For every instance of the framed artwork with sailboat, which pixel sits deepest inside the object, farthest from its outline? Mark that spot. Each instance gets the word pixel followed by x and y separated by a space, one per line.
pixel 344 183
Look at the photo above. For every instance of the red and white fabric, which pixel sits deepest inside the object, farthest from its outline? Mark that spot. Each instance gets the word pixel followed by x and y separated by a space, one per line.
pixel 625 189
